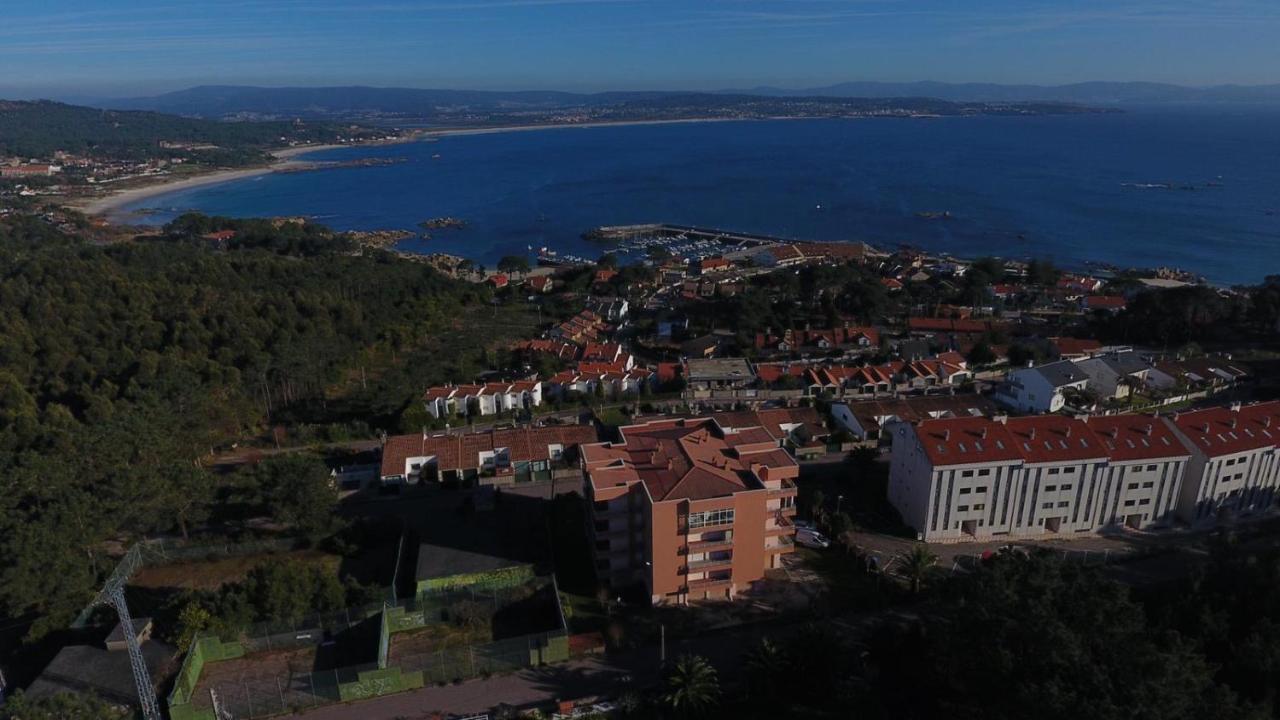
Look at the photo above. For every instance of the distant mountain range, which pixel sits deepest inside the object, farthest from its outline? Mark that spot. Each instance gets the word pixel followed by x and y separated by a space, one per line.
pixel 228 100
pixel 1086 93
pixel 362 101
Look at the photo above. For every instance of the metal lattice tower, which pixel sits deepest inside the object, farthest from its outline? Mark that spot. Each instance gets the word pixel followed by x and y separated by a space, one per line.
pixel 141 676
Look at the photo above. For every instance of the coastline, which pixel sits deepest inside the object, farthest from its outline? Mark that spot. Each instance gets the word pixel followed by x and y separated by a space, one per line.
pixel 285 160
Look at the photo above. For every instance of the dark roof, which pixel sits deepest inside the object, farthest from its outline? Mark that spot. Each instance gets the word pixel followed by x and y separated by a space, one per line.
pixel 1126 363
pixel 1061 373
pixel 89 668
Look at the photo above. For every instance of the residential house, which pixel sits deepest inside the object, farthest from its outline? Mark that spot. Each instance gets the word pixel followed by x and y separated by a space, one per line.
pixel 487 399
pixel 1104 303
pixel 872 420
pixel 1041 389
pixel 718 373
pixel 1114 376
pixel 1069 348
pixel 1146 468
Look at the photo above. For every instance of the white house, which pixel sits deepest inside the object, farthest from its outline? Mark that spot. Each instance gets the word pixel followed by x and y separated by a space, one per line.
pixel 1235 465
pixel 1113 376
pixel 1040 389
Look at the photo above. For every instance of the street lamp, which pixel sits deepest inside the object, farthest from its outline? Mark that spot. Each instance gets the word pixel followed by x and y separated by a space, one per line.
pixel 839 498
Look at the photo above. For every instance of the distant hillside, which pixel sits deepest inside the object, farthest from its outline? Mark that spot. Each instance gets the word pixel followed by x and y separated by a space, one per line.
pixel 1087 93
pixel 228 100
pixel 39 128
pixel 474 107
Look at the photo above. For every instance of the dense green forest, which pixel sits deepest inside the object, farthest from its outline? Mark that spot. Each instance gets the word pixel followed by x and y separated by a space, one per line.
pixel 122 366
pixel 40 128
pixel 1021 637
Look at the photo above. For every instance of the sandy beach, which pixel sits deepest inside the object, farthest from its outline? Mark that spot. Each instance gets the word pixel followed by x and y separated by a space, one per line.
pixel 286 159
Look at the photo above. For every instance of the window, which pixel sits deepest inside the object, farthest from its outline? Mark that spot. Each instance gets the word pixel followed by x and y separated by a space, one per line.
pixel 980 489
pixel 1128 503
pixel 1070 470
pixel 984 473
pixel 980 507
pixel 1047 506
pixel 963 508
pixel 710 517
pixel 1054 471
pixel 1050 488
pixel 1063 503
pixel 1133 486
pixel 1144 501
pixel 1151 468
pixel 1148 484
pixel 966 473
pixel 1066 488
pixel 601 506
pixel 964 491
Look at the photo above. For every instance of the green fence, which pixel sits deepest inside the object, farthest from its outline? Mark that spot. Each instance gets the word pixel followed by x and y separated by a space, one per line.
pixel 268 683
pixel 488 580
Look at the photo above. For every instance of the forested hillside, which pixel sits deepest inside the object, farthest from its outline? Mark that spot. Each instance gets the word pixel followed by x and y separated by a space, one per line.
pixel 38 129
pixel 121 367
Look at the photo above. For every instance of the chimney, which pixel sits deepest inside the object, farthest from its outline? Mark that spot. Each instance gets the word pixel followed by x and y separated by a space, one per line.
pixel 1232 423
pixel 1067 431
pixel 1031 434
pixel 1115 433
pixel 946 435
pixel 983 433
pixel 1235 407
pixel 1146 429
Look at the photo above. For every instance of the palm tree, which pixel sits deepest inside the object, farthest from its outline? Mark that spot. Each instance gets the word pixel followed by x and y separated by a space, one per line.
pixel 766 663
pixel 692 688
pixel 916 564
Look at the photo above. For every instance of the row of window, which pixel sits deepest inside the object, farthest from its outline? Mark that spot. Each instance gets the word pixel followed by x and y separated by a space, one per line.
pixel 981 473
pixel 1146 485
pixel 710 517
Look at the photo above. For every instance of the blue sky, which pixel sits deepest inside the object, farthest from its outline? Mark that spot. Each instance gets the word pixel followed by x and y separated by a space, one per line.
pixel 112 47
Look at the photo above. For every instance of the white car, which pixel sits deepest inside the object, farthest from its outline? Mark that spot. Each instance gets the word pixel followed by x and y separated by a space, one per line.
pixel 810 538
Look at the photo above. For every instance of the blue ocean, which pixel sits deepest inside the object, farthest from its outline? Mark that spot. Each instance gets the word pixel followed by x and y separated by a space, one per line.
pixel 1195 189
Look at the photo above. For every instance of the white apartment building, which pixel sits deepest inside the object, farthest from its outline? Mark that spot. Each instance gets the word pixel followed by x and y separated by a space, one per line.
pixel 962 479
pixel 1147 464
pixel 1235 464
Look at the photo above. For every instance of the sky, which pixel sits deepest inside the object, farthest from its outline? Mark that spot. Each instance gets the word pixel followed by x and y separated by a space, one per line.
pixel 104 48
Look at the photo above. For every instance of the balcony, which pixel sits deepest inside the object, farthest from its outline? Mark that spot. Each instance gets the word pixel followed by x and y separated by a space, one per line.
pixel 787 490
pixel 710 584
pixel 783 544
pixel 711 545
pixel 787 512
pixel 708 565
pixel 780 530
pixel 684 528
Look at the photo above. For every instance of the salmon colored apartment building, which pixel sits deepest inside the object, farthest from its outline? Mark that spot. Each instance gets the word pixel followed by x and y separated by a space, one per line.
pixel 690 510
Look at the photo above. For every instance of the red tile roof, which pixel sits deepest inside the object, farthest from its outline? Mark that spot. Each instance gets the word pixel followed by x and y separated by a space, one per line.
pixel 964 441
pixel 1105 302
pixel 1136 437
pixel 919 324
pixel 680 459
pixel 1055 438
pixel 1226 431
pixel 1075 346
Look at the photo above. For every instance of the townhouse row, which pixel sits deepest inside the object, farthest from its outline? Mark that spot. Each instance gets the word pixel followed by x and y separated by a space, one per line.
pixel 963 479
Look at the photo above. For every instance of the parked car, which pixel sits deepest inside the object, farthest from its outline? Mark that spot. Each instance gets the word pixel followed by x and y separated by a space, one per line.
pixel 803 524
pixel 810 538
